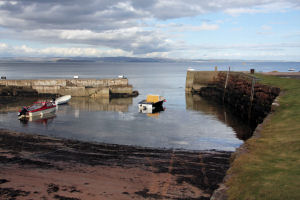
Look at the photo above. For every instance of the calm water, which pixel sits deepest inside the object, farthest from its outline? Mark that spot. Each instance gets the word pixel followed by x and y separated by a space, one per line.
pixel 188 122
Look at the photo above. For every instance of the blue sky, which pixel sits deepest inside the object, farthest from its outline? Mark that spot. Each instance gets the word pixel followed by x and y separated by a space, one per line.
pixel 190 29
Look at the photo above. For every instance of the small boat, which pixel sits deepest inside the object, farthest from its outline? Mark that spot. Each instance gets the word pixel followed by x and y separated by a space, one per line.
pixel 190 69
pixel 291 69
pixel 37 109
pixel 121 76
pixel 62 100
pixel 152 103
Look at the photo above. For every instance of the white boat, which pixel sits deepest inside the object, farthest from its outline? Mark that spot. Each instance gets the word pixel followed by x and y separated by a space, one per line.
pixel 190 69
pixel 63 100
pixel 291 69
pixel 121 76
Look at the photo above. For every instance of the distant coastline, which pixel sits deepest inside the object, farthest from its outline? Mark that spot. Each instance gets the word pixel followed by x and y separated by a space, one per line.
pixel 124 59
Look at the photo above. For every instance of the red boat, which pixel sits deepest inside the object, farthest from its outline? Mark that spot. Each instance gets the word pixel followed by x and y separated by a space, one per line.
pixel 37 109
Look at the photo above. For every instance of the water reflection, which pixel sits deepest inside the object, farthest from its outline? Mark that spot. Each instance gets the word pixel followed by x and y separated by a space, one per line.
pixel 156 112
pixel 43 120
pixel 76 104
pixel 15 104
pixel 118 121
pixel 195 102
pixel 152 113
pixel 99 104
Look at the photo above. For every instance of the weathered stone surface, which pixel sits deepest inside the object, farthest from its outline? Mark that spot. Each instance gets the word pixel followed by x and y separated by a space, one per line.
pixel 220 193
pixel 17 91
pixel 102 92
pixel 237 94
pixel 75 87
pixel 197 79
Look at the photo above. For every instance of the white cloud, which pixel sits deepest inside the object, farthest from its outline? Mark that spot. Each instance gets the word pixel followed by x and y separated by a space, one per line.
pixel 238 11
pixel 266 27
pixel 24 50
pixel 265 30
pixel 173 27
pixel 239 51
pixel 208 27
pixel 82 52
pixel 105 35
pixel 262 7
pixel 121 26
pixel 3 46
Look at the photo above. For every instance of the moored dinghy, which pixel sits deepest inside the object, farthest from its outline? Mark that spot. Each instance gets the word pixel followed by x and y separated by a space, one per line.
pixel 291 69
pixel 153 102
pixel 37 109
pixel 63 100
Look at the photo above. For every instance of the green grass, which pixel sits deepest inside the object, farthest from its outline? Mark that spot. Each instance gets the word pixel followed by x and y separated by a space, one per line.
pixel 271 168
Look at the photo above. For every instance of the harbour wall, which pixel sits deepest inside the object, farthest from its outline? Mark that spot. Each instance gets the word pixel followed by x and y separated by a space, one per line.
pixel 74 87
pixel 240 91
pixel 195 80
pixel 246 98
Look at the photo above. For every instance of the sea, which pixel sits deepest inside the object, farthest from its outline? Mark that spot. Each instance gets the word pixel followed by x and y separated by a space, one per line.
pixel 187 122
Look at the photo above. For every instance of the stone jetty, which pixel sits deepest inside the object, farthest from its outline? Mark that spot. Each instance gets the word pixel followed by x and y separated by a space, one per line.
pixel 76 87
pixel 242 92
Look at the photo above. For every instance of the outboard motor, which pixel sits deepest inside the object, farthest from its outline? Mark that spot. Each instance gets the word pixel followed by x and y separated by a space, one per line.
pixel 23 111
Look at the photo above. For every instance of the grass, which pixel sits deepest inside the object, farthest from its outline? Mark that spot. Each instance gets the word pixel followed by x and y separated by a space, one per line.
pixel 271 168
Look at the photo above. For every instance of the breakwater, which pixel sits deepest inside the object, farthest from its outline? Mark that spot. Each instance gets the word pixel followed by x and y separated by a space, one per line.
pixel 75 87
pixel 242 92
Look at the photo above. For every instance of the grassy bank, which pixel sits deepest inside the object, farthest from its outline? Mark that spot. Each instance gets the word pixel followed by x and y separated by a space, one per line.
pixel 271 168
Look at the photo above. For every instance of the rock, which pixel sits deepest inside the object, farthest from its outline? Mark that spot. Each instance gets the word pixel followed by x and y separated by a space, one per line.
pixel 237 95
pixel 220 193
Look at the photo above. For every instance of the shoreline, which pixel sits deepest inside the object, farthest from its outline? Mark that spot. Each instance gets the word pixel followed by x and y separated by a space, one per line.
pixel 42 167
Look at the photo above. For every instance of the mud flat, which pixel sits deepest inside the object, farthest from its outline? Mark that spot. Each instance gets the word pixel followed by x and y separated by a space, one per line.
pixel 40 167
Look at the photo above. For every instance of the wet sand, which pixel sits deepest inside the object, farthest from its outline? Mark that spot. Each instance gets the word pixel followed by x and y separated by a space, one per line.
pixel 40 167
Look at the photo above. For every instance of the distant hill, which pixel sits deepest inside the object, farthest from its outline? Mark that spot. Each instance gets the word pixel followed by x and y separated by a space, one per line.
pixel 117 59
pixel 85 59
pixel 114 59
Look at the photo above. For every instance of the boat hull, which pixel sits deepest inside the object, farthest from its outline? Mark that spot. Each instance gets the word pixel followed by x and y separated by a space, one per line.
pixel 37 109
pixel 63 100
pixel 42 112
pixel 147 107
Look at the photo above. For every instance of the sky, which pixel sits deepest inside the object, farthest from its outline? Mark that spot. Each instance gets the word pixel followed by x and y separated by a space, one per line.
pixel 180 29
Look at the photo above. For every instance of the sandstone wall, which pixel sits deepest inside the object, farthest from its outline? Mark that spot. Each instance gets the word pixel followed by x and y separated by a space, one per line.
pixel 195 80
pixel 73 87
pixel 246 97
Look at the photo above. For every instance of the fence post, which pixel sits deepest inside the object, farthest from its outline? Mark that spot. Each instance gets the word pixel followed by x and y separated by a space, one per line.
pixel 225 86
pixel 251 97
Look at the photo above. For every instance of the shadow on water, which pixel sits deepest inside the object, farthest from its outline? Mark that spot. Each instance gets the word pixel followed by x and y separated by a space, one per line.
pixel 13 104
pixel 242 129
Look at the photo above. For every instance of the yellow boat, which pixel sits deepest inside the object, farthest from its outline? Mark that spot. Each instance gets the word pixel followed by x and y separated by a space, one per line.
pixel 153 102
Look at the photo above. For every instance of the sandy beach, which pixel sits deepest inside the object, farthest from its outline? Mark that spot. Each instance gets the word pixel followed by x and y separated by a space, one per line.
pixel 40 167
